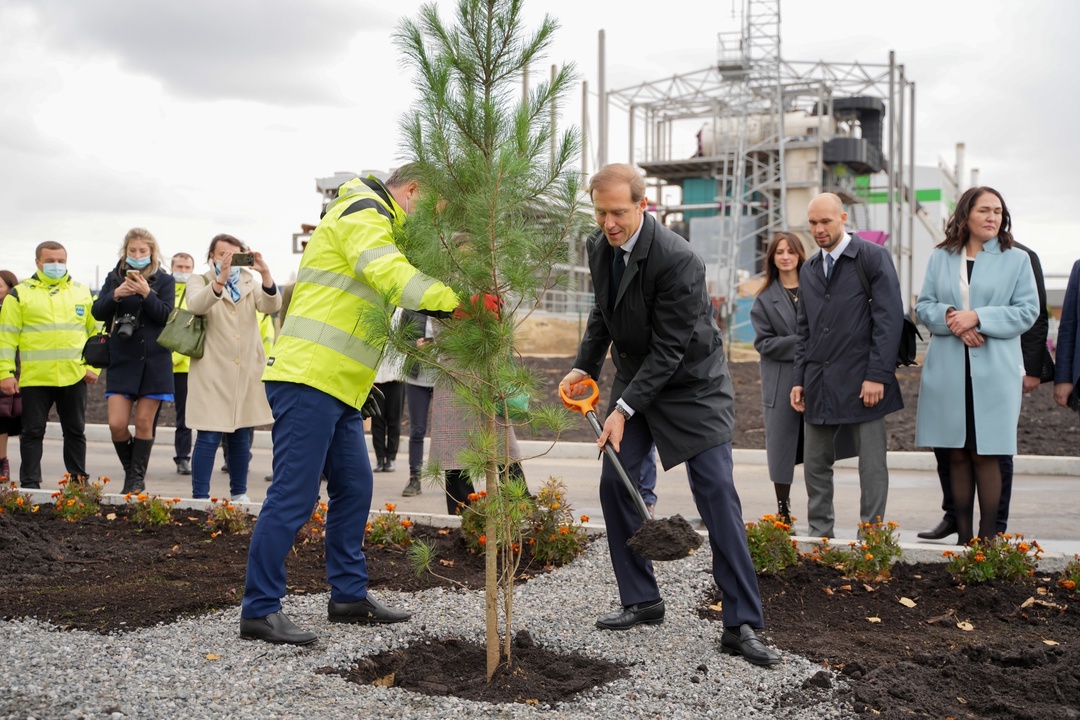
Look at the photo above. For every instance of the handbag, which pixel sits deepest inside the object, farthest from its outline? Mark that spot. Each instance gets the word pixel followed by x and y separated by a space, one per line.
pixel 11 406
pixel 908 332
pixel 96 350
pixel 184 331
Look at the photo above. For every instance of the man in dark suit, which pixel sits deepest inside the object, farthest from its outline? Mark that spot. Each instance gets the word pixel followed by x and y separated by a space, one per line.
pixel 1038 368
pixel 671 387
pixel 845 361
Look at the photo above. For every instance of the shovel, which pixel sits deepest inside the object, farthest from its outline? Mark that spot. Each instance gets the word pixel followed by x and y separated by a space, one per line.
pixel 669 539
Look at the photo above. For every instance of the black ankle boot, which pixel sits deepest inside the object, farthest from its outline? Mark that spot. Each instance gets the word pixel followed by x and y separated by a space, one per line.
pixel 140 458
pixel 123 451
pixel 783 509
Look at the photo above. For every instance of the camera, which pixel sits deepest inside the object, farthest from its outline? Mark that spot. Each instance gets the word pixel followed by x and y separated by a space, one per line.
pixel 126 325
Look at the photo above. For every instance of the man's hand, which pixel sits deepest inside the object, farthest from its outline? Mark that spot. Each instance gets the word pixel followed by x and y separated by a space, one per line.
pixel 1062 391
pixel 371 406
pixel 9 386
pixel 871 393
pixel 612 432
pixel 90 377
pixel 1031 383
pixel 572 379
pixel 798 403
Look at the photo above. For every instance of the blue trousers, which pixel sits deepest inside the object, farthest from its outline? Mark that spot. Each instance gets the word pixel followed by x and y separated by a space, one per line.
pixel 238 457
pixel 710 475
pixel 313 434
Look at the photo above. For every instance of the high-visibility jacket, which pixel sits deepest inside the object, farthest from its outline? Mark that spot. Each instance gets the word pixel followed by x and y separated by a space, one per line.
pixel 47 322
pixel 181 363
pixel 348 266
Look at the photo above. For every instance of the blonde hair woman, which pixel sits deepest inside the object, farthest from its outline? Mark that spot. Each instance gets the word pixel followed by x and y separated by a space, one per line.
pixel 134 303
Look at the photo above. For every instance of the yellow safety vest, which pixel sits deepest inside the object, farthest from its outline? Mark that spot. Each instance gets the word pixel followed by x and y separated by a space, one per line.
pixel 180 363
pixel 348 265
pixel 47 322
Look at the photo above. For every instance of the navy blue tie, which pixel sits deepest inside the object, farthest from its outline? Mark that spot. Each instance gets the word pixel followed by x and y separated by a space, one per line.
pixel 618 266
pixel 828 266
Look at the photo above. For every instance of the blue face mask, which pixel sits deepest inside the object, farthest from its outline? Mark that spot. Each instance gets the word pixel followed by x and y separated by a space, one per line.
pixel 54 271
pixel 234 273
pixel 138 263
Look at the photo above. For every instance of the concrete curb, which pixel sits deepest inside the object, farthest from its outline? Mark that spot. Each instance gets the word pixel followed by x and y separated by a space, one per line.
pixel 1024 464
pixel 912 552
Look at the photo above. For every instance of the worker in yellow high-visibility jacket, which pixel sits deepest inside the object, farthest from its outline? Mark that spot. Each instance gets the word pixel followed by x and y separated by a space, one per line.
pixel 318 376
pixel 182 265
pixel 46 320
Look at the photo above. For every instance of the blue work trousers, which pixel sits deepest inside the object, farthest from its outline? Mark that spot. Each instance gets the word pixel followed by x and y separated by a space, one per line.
pixel 314 434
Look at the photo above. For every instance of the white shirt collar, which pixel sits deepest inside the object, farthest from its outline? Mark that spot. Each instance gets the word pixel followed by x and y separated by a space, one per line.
pixel 629 246
pixel 837 251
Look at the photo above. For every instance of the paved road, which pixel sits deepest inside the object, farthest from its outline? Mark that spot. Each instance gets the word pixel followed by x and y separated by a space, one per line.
pixel 1045 504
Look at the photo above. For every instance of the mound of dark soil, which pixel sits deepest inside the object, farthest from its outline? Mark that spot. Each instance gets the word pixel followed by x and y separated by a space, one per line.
pixel 1020 660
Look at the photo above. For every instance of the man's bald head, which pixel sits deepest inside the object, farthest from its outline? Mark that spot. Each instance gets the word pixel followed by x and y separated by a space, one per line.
pixel 826 217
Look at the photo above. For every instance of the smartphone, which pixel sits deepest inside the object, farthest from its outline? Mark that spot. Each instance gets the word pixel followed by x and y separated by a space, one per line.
pixel 243 259
pixel 133 273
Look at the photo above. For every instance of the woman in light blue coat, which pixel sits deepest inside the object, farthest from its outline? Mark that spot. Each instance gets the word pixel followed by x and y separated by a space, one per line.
pixel 978 297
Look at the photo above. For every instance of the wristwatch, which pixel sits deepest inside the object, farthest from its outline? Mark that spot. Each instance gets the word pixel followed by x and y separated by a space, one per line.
pixel 622 411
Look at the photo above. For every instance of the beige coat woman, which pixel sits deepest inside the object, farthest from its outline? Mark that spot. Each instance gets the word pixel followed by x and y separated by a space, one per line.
pixel 225 390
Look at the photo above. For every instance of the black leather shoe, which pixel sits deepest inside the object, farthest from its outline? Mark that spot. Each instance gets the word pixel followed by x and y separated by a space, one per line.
pixel 275 628
pixel 183 467
pixel 944 529
pixel 368 610
pixel 747 644
pixel 651 613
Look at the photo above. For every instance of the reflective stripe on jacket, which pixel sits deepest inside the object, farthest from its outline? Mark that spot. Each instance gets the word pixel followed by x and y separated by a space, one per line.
pixel 348 266
pixel 47 322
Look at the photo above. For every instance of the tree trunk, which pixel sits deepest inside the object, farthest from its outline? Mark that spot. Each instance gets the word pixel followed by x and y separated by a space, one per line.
pixel 491 564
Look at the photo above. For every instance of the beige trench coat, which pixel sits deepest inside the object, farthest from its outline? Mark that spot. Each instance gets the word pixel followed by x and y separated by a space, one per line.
pixel 225 389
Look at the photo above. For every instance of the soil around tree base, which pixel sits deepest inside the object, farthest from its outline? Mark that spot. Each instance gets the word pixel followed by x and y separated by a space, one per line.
pixel 671 538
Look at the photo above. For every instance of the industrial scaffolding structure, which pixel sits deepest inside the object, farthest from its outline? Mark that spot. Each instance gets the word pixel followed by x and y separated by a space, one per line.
pixel 752 138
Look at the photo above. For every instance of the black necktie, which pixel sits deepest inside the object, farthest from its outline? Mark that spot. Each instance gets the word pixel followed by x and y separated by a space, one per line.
pixel 618 266
pixel 828 266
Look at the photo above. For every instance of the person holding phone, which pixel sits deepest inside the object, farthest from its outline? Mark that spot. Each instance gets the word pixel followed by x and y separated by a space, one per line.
pixel 135 302
pixel 225 391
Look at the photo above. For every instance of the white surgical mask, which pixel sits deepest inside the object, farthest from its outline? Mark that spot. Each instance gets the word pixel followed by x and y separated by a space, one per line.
pixel 181 277
pixel 54 271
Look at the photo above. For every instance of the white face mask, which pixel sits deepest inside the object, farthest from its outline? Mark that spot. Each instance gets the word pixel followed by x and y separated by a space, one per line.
pixel 181 277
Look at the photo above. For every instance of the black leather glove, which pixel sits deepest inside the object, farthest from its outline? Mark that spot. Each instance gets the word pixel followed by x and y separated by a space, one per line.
pixel 372 406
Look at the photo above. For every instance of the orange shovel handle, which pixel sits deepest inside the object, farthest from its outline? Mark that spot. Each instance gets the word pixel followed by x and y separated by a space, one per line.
pixel 582 405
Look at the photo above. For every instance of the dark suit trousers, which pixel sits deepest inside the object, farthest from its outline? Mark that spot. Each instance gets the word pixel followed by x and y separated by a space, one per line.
pixel 386 428
pixel 70 404
pixel 711 482
pixel 182 438
pixel 944 471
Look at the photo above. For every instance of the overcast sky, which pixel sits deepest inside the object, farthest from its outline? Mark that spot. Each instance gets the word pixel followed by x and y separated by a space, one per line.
pixel 211 116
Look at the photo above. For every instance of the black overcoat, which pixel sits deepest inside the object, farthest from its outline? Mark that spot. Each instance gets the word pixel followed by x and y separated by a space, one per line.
pixel 844 339
pixel 668 353
pixel 138 366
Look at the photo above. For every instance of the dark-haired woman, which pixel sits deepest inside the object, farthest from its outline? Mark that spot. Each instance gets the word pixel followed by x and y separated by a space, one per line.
pixel 978 297
pixel 10 423
pixel 135 302
pixel 225 390
pixel 773 317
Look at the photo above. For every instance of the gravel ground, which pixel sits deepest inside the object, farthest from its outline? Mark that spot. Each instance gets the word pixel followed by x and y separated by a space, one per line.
pixel 165 672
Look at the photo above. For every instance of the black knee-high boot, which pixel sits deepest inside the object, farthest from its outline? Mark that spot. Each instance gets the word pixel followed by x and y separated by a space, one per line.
pixel 140 458
pixel 123 451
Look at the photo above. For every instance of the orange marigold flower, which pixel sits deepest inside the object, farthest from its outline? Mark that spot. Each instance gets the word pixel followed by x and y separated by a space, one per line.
pixel 1023 547
pixel 482 539
pixel 584 518
pixel 483 493
pixel 176 500
pixel 391 507
pixel 554 506
pixel 948 554
pixel 142 497
pixel 552 538
pixel 1068 584
pixel 564 530
pixel 780 525
pixel 532 541
pixel 406 523
pixel 979 557
pixel 893 525
pixel 868 557
pixel 473 497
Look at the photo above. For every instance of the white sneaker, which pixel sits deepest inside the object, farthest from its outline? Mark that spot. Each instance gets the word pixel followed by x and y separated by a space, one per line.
pixel 240 499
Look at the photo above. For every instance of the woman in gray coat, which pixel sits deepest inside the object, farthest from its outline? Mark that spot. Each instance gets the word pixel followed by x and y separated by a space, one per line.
pixel 773 317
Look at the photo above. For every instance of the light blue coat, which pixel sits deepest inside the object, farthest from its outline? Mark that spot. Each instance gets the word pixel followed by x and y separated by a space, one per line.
pixel 1003 293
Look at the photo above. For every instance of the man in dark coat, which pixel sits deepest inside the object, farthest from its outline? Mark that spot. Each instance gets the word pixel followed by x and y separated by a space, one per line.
pixel 845 361
pixel 671 387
